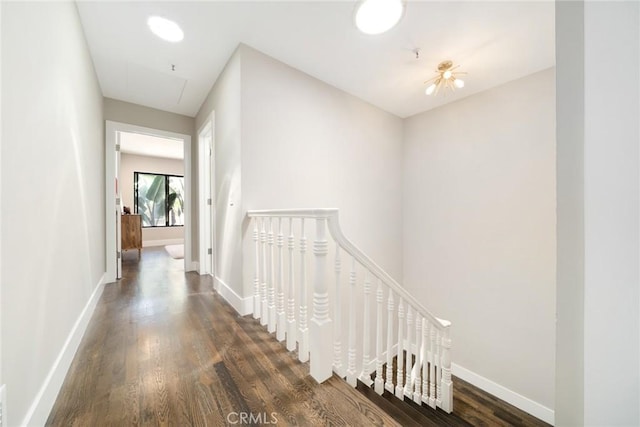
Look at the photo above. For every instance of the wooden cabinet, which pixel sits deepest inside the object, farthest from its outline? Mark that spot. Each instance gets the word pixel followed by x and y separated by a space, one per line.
pixel 131 232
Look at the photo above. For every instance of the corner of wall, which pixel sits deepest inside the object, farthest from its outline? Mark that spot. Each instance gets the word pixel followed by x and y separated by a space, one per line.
pixel 1 132
pixel 224 99
pixel 243 305
pixel 569 361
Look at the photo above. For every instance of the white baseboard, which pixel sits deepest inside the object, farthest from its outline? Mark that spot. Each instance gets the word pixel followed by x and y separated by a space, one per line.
pixel 41 407
pixel 519 401
pixel 163 242
pixel 193 266
pixel 243 306
pixel 534 408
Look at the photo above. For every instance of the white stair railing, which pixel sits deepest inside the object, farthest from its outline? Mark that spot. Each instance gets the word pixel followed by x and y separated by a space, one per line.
pixel 383 321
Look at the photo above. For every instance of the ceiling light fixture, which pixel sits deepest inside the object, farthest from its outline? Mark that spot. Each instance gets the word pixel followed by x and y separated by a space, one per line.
pixel 165 29
pixel 445 78
pixel 378 16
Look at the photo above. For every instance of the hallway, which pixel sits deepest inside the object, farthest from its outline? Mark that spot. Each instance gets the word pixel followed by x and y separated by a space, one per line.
pixel 163 349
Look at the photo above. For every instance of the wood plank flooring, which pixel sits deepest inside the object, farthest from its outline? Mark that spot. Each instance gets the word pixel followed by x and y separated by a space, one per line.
pixel 163 349
pixel 471 407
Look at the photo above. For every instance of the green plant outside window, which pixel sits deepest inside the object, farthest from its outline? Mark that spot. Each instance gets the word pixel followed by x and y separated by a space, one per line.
pixel 159 199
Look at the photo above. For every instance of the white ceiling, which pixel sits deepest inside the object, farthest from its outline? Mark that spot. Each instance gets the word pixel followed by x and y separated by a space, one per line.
pixel 495 42
pixel 147 145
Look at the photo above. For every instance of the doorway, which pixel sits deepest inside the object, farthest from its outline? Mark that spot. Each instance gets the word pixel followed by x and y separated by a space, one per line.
pixel 206 178
pixel 113 190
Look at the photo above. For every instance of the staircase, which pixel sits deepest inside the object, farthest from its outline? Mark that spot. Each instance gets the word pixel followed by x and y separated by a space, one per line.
pixel 363 324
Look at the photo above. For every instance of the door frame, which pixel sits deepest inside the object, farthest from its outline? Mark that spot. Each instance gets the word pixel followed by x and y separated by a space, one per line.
pixel 206 217
pixel 111 137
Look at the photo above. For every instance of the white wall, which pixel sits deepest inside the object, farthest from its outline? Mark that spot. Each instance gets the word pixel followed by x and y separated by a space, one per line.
pixel 598 214
pixel 479 230
pixel 126 112
pixel 1 379
pixel 130 163
pixel 224 98
pixel 569 402
pixel 307 144
pixel 284 139
pixel 611 198
pixel 53 254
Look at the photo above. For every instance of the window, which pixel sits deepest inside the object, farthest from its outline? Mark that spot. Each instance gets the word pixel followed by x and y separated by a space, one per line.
pixel 159 199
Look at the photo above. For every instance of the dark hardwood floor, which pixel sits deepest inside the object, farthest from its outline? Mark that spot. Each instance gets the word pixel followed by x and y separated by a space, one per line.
pixel 164 349
pixel 471 407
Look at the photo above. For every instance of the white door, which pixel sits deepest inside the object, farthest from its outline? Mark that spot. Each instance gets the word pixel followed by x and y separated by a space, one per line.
pixel 205 139
pixel 118 210
pixel 209 214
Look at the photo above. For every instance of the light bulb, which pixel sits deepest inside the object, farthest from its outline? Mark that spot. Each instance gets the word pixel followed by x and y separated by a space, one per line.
pixel 446 75
pixel 430 89
pixel 165 29
pixel 378 16
pixel 458 83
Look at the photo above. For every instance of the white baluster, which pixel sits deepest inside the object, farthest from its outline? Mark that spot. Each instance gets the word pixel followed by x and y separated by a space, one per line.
pixel 415 373
pixel 425 361
pixel 438 369
pixel 264 311
pixel 351 363
pixel 291 302
pixel 271 327
pixel 321 359
pixel 303 332
pixel 400 359
pixel 390 314
pixel 432 369
pixel 408 380
pixel 365 375
pixel 280 317
pixel 447 385
pixel 337 321
pixel 379 383
pixel 256 278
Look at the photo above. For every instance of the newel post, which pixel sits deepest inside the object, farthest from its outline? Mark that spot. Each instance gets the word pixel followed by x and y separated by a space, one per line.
pixel 321 333
pixel 447 385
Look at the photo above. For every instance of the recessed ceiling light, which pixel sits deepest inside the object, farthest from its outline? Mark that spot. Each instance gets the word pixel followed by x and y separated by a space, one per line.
pixel 165 29
pixel 378 16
